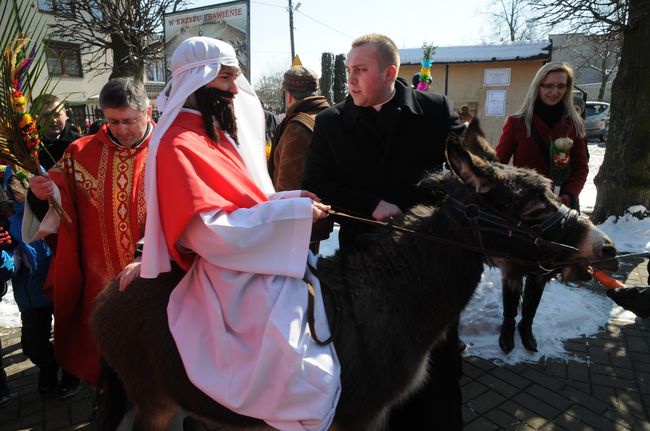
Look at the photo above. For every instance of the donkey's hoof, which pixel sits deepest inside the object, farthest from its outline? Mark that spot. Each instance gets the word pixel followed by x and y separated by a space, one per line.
pixel 527 337
pixel 507 337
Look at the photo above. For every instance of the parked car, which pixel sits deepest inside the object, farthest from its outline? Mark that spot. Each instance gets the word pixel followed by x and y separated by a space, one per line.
pixel 596 115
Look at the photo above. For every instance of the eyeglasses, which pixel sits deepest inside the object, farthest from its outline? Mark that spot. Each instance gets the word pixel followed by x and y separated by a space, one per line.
pixel 550 87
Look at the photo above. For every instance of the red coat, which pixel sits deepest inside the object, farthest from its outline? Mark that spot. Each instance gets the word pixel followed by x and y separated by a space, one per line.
pixel 526 153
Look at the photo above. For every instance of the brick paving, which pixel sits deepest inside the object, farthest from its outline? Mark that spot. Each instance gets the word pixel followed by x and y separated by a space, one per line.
pixel 607 389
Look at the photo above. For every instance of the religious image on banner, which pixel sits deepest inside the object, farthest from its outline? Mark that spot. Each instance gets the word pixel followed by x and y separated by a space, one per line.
pixel 228 22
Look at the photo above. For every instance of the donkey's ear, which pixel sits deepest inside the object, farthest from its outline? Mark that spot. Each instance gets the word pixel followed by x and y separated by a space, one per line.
pixel 467 166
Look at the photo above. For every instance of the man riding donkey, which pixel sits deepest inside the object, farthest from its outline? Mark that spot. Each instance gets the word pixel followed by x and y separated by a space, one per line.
pixel 238 316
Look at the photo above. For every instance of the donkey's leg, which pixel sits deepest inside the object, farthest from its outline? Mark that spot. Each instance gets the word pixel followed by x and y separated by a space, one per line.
pixel 511 290
pixel 532 295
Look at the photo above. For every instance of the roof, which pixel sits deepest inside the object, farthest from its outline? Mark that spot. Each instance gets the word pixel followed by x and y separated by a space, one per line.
pixel 532 50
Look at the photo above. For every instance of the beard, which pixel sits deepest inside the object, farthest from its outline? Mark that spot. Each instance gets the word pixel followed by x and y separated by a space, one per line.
pixel 215 104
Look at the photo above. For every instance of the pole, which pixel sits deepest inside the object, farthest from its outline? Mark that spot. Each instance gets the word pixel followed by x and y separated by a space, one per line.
pixel 293 49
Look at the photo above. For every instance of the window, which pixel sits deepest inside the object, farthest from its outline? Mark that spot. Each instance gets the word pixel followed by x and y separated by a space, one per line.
pixel 156 70
pixel 63 59
pixel 56 7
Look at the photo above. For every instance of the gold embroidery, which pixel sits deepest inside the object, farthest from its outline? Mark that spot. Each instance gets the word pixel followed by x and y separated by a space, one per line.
pixel 101 211
pixel 123 173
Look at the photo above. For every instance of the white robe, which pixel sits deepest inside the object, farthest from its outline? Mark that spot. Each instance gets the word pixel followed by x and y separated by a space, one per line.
pixel 239 316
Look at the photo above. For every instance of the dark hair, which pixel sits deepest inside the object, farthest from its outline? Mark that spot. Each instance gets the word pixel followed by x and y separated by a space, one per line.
pixel 124 93
pixel 300 95
pixel 212 106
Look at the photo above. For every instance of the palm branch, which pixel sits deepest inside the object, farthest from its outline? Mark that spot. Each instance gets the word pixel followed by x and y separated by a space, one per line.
pixel 22 63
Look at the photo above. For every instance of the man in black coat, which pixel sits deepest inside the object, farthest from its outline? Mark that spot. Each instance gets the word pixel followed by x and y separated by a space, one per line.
pixel 366 157
pixel 59 133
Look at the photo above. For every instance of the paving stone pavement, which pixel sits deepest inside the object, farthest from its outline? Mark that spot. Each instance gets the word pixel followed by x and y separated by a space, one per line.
pixel 608 389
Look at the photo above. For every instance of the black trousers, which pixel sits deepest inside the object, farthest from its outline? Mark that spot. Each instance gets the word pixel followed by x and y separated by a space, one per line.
pixel 437 405
pixel 35 338
pixel 4 387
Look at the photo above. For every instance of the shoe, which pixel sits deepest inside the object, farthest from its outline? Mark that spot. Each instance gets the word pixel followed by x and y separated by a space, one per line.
pixel 6 399
pixel 507 335
pixel 461 346
pixel 527 337
pixel 47 382
pixel 69 386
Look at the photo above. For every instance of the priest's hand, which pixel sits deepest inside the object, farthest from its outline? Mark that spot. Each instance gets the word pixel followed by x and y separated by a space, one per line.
pixel 319 210
pixel 42 186
pixel 385 210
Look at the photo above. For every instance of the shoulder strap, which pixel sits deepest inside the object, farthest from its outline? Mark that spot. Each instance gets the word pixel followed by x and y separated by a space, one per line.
pixel 305 119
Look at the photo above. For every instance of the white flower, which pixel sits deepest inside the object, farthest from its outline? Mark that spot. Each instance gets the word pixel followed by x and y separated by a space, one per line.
pixel 563 144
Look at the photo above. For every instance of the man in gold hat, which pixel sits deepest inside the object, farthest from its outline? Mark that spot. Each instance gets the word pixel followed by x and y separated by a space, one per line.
pixel 293 136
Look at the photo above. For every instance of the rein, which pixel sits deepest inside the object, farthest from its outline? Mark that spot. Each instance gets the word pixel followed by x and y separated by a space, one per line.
pixel 472 211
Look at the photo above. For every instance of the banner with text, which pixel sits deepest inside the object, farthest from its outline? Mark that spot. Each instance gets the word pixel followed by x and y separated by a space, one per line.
pixel 229 22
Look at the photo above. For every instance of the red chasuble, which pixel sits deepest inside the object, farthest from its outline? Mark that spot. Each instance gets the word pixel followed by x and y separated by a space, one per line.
pixel 197 174
pixel 102 190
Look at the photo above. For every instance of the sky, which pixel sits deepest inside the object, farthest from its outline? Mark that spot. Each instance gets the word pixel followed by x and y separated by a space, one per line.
pixel 331 25
pixel 566 311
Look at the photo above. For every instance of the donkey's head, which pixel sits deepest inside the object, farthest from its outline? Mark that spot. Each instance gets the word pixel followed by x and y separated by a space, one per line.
pixel 515 217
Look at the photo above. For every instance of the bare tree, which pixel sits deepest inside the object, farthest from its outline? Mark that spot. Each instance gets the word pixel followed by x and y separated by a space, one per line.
pixel 269 90
pixel 598 53
pixel 512 20
pixel 129 29
pixel 624 177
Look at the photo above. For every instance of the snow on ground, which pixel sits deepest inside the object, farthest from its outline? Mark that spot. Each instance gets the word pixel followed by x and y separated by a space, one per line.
pixel 565 311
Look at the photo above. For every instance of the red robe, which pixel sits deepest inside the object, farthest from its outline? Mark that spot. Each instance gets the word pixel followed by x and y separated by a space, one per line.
pixel 195 175
pixel 102 190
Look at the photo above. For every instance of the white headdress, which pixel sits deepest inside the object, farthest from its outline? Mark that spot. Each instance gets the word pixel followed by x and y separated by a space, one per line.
pixel 196 62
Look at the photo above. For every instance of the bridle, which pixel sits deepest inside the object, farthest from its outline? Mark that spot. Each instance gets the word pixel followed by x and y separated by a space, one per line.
pixel 483 221
pixel 546 235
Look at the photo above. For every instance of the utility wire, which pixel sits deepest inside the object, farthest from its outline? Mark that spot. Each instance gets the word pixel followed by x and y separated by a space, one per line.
pixel 325 25
pixel 268 4
pixel 305 15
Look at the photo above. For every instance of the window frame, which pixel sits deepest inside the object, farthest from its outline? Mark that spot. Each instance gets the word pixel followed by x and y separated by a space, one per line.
pixel 54 9
pixel 58 47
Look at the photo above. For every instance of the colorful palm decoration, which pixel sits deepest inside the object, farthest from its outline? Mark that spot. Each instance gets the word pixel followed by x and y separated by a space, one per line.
pixel 21 65
pixel 425 71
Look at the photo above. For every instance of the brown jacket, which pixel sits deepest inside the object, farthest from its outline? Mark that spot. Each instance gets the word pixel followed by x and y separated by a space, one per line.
pixel 292 139
pixel 290 146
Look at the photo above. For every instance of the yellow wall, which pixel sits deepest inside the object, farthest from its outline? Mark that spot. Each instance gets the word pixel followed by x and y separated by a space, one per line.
pixel 465 87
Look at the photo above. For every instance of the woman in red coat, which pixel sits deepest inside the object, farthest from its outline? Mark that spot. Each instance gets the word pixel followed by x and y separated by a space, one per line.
pixel 546 135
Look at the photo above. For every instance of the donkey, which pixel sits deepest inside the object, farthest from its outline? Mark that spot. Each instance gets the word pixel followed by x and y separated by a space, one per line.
pixel 410 285
pixel 513 274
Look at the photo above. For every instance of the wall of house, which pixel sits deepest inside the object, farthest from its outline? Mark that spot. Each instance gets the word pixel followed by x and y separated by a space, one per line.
pixel 465 86
pixel 78 90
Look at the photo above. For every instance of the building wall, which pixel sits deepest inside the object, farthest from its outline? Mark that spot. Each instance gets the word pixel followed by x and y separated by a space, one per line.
pixel 465 86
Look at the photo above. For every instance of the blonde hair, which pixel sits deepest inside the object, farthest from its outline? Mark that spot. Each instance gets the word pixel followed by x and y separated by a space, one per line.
pixel 526 110
pixel 388 52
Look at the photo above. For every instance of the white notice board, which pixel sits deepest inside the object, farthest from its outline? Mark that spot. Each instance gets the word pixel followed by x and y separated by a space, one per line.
pixel 496 77
pixel 495 103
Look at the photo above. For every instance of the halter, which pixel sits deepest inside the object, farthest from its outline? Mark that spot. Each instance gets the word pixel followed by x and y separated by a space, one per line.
pixel 552 227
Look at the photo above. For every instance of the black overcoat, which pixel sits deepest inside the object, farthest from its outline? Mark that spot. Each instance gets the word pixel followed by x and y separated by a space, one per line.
pixel 358 156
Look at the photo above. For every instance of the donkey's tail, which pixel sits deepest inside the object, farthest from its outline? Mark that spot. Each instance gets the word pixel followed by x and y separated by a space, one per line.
pixel 113 402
